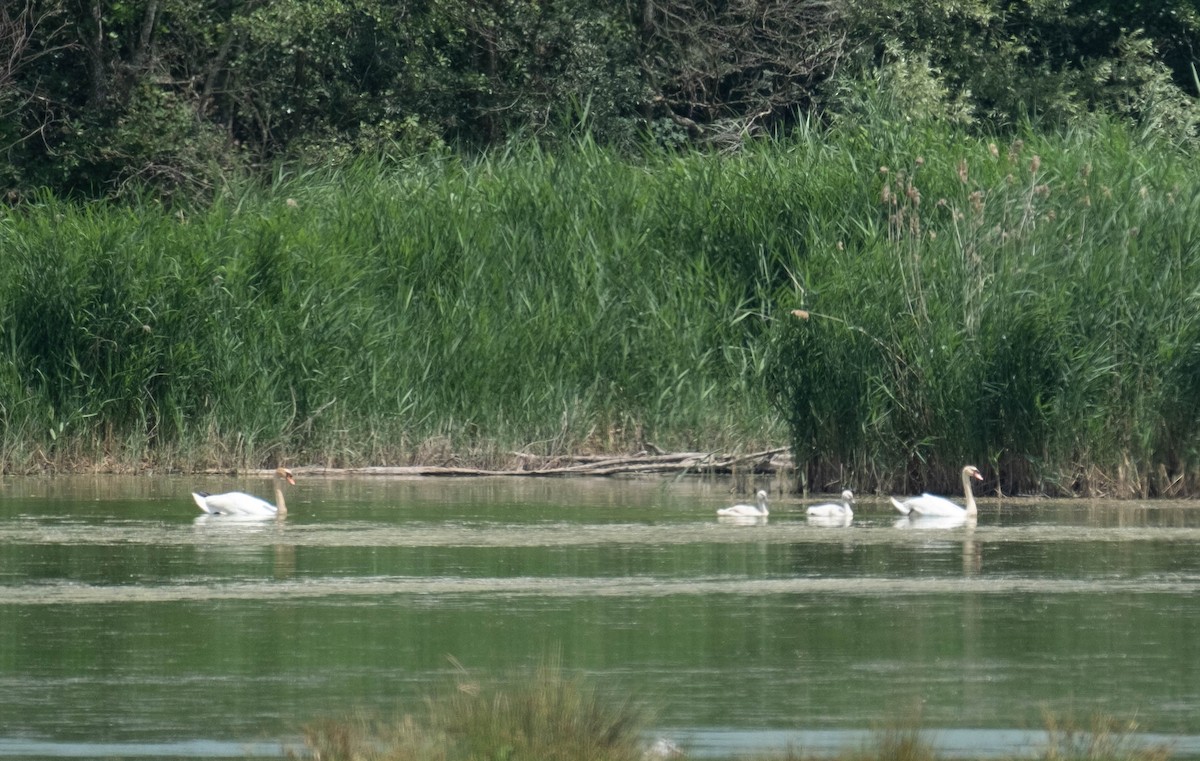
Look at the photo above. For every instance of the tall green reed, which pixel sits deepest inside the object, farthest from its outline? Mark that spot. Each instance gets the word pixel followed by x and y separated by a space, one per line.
pixel 1028 305
pixel 354 316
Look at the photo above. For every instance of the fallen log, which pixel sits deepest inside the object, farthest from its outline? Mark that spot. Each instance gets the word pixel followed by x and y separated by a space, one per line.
pixel 766 461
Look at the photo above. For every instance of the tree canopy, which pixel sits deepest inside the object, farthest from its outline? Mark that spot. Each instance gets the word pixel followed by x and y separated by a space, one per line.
pixel 100 96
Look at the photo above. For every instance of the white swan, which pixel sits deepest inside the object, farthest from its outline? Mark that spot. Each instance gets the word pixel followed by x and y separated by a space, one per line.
pixel 747 511
pixel 834 509
pixel 930 505
pixel 242 505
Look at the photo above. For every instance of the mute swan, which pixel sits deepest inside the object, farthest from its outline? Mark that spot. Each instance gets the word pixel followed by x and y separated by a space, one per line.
pixel 242 505
pixel 747 511
pixel 834 509
pixel 930 505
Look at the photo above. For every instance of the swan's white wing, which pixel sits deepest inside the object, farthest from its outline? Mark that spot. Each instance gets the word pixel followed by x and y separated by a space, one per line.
pixel 233 503
pixel 933 505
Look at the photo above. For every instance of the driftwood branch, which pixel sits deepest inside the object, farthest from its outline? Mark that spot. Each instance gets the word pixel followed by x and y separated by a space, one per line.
pixel 766 461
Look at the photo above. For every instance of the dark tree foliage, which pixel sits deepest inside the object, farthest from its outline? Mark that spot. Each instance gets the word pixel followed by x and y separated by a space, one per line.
pixel 723 69
pixel 1003 60
pixel 100 97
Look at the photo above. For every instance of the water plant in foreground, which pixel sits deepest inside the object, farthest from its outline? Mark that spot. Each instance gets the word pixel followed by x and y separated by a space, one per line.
pixel 551 715
pixel 548 715
pixel 1103 738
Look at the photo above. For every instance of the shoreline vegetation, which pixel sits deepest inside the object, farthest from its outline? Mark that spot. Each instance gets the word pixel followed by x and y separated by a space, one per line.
pixel 890 298
pixel 550 714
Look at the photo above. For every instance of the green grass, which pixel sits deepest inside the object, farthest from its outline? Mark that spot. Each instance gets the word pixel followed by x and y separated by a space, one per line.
pixel 1041 323
pixel 368 316
pixel 1029 307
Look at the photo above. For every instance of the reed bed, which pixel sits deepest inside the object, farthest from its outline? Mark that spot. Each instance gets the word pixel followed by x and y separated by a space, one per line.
pixel 437 312
pixel 1029 305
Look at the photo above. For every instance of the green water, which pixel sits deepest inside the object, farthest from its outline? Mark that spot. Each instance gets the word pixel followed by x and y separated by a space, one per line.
pixel 125 621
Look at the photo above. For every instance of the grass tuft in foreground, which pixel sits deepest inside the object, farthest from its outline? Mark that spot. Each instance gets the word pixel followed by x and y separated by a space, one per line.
pixel 1104 738
pixel 548 716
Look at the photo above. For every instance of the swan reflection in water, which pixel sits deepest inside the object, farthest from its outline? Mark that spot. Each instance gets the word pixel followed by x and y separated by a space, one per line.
pixel 742 520
pixel 229 540
pixel 828 521
pixel 972 552
pixel 935 522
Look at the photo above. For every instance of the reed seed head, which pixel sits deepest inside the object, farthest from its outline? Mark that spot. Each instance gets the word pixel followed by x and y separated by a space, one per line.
pixel 976 199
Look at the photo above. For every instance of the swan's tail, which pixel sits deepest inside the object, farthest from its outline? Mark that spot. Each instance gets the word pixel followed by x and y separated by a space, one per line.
pixel 199 497
pixel 903 508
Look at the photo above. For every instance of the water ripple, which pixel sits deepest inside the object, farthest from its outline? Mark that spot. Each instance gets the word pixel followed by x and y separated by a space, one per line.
pixel 442 534
pixel 60 593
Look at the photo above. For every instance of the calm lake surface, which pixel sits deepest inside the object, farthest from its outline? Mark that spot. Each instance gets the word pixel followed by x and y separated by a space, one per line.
pixel 129 627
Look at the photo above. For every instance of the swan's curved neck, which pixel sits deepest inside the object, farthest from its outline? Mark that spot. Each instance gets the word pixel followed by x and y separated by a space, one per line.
pixel 280 505
pixel 968 494
pixel 762 504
